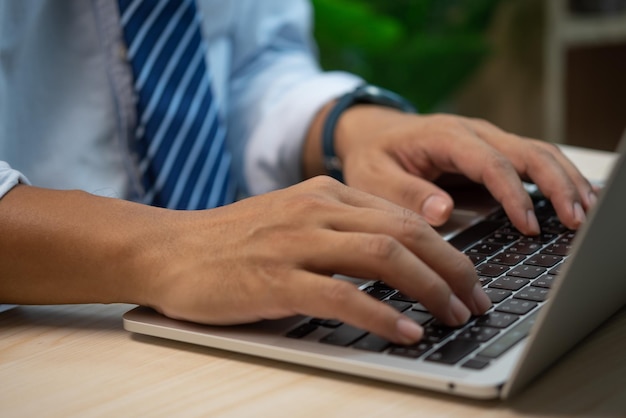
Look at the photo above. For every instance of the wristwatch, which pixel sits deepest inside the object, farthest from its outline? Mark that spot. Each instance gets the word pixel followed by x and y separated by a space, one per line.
pixel 365 93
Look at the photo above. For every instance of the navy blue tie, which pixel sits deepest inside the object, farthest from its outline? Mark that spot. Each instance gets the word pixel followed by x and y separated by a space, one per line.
pixel 179 136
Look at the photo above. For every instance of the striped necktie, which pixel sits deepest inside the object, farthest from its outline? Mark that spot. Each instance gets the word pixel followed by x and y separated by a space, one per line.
pixel 180 141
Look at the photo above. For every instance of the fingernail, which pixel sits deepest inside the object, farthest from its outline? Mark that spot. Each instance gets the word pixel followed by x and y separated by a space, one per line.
pixel 482 300
pixel 532 222
pixel 592 199
pixel 435 208
pixel 579 213
pixel 459 311
pixel 409 331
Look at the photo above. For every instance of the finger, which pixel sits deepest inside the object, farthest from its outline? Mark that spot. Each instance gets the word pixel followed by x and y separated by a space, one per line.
pixel 465 153
pixel 554 182
pixel 572 195
pixel 324 297
pixel 381 257
pixel 584 186
pixel 585 189
pixel 434 204
pixel 350 196
pixel 543 163
pixel 420 239
pixel 407 190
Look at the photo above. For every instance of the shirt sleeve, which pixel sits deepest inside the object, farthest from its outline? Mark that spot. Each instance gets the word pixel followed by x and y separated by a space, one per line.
pixel 9 178
pixel 276 89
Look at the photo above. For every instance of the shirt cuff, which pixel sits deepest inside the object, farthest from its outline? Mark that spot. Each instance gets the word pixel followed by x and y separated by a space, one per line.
pixel 273 157
pixel 9 178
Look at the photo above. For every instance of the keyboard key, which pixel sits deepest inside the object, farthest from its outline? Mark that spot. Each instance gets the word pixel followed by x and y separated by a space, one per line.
pixel 476 363
pixel 491 270
pixel 411 351
pixel 542 238
pixel 543 208
pixel 544 280
pixel 435 332
pixel 497 295
pixel 403 297
pixel 398 305
pixel 557 248
pixel 507 340
pixel 343 335
pixel 382 285
pixel 556 270
pixel 484 248
pixel 553 226
pixel 474 233
pixel 302 330
pixel 419 307
pixel 419 317
pixel 328 323
pixel 496 319
pixel 484 280
pixel 567 238
pixel 477 334
pixel 535 294
pixel 379 292
pixel 526 272
pixel 452 351
pixel 507 259
pixel 524 247
pixel 516 306
pixel 543 260
pixel 509 229
pixel 476 259
pixel 372 342
pixel 501 238
pixel 509 283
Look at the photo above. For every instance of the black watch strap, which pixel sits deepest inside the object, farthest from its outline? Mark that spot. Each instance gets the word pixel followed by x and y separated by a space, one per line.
pixel 363 94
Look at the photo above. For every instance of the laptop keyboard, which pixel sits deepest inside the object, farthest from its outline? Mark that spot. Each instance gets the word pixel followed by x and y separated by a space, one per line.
pixel 516 272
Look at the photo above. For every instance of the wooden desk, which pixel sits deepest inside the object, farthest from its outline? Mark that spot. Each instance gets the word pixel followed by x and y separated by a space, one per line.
pixel 63 361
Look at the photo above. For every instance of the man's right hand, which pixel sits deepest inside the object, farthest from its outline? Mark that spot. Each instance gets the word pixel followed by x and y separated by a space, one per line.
pixel 273 256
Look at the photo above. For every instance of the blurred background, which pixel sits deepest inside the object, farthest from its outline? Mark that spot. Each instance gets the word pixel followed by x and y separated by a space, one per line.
pixel 549 69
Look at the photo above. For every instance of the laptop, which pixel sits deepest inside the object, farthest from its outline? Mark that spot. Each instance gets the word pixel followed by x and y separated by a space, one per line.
pixel 548 293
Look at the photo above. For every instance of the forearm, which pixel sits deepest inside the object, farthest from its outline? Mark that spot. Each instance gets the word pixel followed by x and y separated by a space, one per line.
pixel 72 247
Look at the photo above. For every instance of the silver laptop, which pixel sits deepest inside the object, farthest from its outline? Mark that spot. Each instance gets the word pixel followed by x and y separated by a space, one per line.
pixel 549 292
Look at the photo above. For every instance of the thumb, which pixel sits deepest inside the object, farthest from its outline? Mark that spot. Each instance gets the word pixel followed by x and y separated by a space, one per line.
pixel 436 207
pixel 407 190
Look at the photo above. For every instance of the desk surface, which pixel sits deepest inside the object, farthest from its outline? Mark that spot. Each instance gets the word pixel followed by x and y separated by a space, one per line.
pixel 62 361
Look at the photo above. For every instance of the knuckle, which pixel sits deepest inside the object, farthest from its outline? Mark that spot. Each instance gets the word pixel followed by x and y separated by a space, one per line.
pixel 338 293
pixel 446 122
pixel 540 156
pixel 545 145
pixel 453 126
pixel 497 164
pixel 308 201
pixel 484 124
pixel 545 153
pixel 381 247
pixel 461 265
pixel 325 184
pixel 413 227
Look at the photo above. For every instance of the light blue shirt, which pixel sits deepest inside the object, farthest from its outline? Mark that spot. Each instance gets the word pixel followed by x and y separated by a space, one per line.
pixel 67 105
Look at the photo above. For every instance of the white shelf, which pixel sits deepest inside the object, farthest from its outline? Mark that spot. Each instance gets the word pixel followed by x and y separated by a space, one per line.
pixel 565 31
pixel 589 30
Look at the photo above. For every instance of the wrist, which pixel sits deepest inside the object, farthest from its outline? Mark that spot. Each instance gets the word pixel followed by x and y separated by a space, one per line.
pixel 362 95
